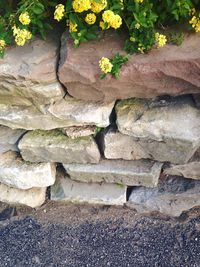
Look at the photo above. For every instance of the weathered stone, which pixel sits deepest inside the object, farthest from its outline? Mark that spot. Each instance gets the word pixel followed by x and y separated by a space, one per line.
pixel 188 170
pixel 132 173
pixel 67 190
pixel 54 146
pixel 9 138
pixel 64 113
pixel 82 112
pixel 15 172
pixel 172 196
pixel 164 130
pixel 79 131
pixel 33 197
pixel 28 74
pixel 160 72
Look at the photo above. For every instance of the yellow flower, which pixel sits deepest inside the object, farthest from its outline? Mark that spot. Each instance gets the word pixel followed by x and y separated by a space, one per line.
pixel 90 18
pixel 161 39
pixel 24 18
pixel 59 12
pixel 193 21
pixel 108 16
pixel 197 26
pixel 132 39
pixel 73 27
pixel 139 1
pixel 192 11
pixel 116 22
pixel 21 36
pixel 105 65
pixel 81 5
pixel 2 45
pixel 98 7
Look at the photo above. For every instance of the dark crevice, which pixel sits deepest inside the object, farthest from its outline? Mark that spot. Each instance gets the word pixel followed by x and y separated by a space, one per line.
pixel 129 191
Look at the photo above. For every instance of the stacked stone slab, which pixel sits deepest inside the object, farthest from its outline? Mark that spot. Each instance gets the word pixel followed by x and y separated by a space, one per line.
pixel 89 145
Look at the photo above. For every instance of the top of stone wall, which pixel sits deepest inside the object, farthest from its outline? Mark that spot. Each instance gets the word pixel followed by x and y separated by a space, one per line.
pixel 171 70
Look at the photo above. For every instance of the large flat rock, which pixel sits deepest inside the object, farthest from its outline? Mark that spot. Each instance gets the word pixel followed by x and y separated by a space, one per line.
pixel 66 189
pixel 9 138
pixel 188 170
pixel 28 74
pixel 54 146
pixel 33 197
pixel 172 70
pixel 163 130
pixel 17 173
pixel 172 196
pixel 130 173
pixel 65 113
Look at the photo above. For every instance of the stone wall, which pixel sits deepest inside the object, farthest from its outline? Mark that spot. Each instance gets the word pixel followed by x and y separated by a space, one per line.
pixel 133 141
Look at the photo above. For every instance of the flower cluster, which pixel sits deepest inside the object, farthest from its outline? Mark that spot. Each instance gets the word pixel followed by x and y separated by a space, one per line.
pixel 21 35
pixel 105 65
pixel 161 39
pixel 110 20
pixel 195 22
pixel 2 45
pixel 24 18
pixel 59 12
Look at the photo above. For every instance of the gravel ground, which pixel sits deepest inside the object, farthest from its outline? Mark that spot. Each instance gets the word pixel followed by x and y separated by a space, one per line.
pixel 98 236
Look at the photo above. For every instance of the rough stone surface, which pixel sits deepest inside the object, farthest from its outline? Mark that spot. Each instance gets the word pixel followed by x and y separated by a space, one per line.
pixel 79 131
pixel 165 130
pixel 188 170
pixel 9 138
pixel 54 146
pixel 16 173
pixel 82 112
pixel 66 189
pixel 33 197
pixel 28 74
pixel 131 173
pixel 172 70
pixel 172 196
pixel 64 113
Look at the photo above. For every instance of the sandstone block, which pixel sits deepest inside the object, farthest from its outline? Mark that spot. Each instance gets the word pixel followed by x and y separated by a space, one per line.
pixel 17 173
pixel 172 196
pixel 160 72
pixel 66 189
pixel 54 146
pixel 131 173
pixel 163 130
pixel 33 197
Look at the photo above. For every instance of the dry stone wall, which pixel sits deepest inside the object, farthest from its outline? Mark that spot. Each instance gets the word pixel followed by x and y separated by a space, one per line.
pixel 132 141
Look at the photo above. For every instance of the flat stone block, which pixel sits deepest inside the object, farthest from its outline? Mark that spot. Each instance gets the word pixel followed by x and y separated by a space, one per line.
pixel 164 130
pixel 172 196
pixel 17 173
pixel 54 146
pixel 130 173
pixel 33 197
pixel 66 189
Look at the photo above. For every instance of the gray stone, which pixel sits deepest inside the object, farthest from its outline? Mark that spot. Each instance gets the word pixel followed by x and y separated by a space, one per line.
pixel 188 170
pixel 9 138
pixel 165 130
pixel 67 190
pixel 65 113
pixel 82 112
pixel 28 74
pixel 33 197
pixel 131 173
pixel 172 196
pixel 54 146
pixel 79 131
pixel 17 173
